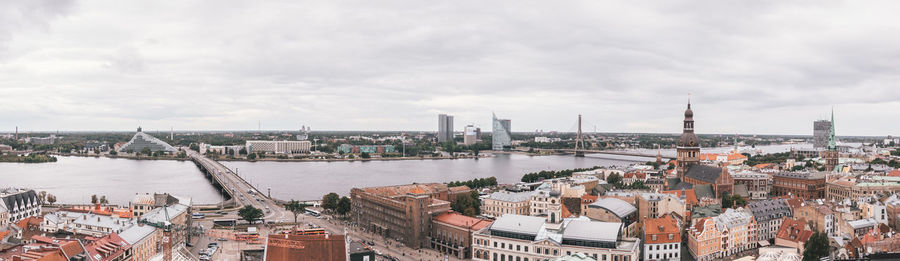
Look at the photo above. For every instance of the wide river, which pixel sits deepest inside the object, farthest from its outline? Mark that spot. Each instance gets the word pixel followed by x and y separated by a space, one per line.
pixel 75 179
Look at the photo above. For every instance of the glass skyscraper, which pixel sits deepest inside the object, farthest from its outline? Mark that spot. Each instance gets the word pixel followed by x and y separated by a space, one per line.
pixel 502 134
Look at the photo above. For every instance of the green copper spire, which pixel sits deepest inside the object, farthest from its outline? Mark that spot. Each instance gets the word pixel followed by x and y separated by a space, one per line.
pixel 832 142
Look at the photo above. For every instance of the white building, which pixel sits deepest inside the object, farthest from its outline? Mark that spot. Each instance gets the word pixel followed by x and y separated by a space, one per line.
pixel 84 223
pixel 278 146
pixel 527 238
pixel 20 203
pixel 500 203
pixel 470 135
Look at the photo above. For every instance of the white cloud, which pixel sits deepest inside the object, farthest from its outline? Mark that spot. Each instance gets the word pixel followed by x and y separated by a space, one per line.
pixel 761 67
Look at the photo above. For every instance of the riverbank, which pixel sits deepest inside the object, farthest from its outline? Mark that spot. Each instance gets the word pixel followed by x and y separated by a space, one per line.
pixel 351 160
pixel 32 158
pixel 133 157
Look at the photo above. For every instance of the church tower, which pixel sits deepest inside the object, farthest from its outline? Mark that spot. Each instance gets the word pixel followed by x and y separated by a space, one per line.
pixel 688 150
pixel 831 155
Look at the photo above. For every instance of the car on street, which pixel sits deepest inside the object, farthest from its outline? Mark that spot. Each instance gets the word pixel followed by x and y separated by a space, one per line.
pixel 221 239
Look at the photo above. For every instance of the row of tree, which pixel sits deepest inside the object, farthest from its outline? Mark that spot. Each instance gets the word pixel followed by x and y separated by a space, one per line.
pixel 475 183
pixel 552 174
pixel 616 180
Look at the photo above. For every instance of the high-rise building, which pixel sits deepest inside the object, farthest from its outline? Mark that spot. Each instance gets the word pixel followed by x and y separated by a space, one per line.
pixel 445 128
pixel 470 135
pixel 502 134
pixel 821 128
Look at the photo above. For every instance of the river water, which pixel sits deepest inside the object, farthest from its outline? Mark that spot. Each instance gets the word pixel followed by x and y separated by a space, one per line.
pixel 75 179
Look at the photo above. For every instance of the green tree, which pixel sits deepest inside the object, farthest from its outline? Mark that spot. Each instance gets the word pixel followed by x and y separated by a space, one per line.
pixel 103 200
pixel 146 151
pixel 365 155
pixel 194 147
pixel 614 178
pixel 252 156
pixel 243 151
pixel 330 201
pixel 296 208
pixel 113 152
pixel 343 206
pixel 250 213
pixel 94 199
pixel 816 247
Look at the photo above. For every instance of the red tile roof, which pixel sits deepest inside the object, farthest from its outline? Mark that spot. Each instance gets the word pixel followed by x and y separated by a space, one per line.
pixel 108 247
pixel 662 227
pixel 894 173
pixel 690 196
pixel 71 248
pixel 463 221
pixel 794 230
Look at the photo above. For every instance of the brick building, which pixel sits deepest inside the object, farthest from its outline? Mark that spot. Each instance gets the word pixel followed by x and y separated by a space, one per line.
pixel 451 233
pixel 805 185
pixel 403 212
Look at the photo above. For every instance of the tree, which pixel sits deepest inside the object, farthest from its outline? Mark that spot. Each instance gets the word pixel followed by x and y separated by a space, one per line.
pixel 113 152
pixel 343 206
pixel 295 208
pixel 243 151
pixel 797 168
pixel 194 147
pixel 816 247
pixel 469 204
pixel 365 155
pixel 51 199
pixel 146 151
pixel 252 156
pixel 94 199
pixel 250 213
pixel 729 201
pixel 330 201
pixel 103 200
pixel 614 178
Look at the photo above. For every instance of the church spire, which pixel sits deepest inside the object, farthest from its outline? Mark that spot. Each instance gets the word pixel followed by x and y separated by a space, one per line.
pixel 832 141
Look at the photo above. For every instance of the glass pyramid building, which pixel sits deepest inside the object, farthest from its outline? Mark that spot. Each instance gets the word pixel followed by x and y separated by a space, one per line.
pixel 142 140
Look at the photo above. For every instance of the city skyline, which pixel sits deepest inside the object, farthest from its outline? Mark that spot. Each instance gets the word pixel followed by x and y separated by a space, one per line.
pixel 765 68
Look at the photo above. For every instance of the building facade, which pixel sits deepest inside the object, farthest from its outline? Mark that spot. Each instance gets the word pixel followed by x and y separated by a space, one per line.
pixel 839 189
pixel 662 239
pixel 470 135
pixel 445 128
pixel 278 146
pixel 499 203
pixel 769 215
pixel 614 210
pixel 19 204
pixel 712 238
pixel 821 129
pixel 758 184
pixel 805 185
pixel 501 134
pixel 451 233
pixel 403 213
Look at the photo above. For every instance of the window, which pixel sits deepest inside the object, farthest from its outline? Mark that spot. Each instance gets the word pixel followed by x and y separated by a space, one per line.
pixel 526 250
pixel 495 245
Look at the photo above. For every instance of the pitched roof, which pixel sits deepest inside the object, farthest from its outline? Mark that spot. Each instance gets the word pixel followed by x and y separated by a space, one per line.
pixel 462 221
pixel 528 225
pixel 688 194
pixel 765 210
pixel 704 191
pixel 592 230
pixel 794 230
pixel 704 173
pixel 662 227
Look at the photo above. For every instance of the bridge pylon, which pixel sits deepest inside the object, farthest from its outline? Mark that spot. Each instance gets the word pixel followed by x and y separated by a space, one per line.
pixel 579 140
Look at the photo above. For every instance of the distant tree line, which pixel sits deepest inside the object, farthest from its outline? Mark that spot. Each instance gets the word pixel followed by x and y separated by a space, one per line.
pixel 475 183
pixel 552 174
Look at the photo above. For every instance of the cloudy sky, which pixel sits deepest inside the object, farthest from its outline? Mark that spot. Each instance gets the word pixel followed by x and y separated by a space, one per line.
pixel 763 67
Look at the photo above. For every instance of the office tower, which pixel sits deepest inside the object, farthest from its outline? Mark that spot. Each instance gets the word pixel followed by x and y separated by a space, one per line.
pixel 821 129
pixel 502 134
pixel 445 128
pixel 470 135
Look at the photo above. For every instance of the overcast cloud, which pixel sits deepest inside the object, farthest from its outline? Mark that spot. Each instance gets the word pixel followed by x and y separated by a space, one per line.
pixel 764 67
